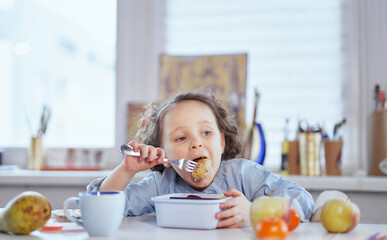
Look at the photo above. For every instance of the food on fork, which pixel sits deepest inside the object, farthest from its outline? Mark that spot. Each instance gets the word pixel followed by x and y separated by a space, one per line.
pixel 202 167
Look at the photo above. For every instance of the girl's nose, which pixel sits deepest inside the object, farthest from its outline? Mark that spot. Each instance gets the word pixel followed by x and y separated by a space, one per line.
pixel 195 143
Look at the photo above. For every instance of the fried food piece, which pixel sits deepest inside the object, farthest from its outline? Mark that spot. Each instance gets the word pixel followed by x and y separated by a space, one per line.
pixel 201 169
pixel 59 215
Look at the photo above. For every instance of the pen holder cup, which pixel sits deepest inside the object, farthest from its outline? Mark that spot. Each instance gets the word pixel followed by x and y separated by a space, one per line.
pixel 294 158
pixel 378 142
pixel 333 157
pixel 36 154
pixel 309 147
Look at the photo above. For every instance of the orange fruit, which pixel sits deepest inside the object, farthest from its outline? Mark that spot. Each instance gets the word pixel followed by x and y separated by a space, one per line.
pixel 271 227
pixel 295 219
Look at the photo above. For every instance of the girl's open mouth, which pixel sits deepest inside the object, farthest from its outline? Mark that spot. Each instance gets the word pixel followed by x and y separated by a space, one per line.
pixel 198 159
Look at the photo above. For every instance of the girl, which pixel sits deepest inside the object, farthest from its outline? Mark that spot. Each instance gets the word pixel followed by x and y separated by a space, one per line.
pixel 190 126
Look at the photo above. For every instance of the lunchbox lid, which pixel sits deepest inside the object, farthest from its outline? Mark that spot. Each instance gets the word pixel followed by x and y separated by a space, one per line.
pixel 183 198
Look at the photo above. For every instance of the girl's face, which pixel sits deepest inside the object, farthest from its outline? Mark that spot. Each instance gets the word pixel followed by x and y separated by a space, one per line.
pixel 190 131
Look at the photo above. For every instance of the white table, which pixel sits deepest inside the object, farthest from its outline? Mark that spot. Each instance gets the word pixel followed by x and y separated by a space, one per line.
pixel 145 227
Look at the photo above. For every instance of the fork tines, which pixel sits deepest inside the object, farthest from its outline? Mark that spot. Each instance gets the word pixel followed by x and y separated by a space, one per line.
pixel 190 166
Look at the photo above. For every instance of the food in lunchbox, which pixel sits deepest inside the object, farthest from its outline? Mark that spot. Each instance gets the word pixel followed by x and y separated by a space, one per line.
pixel 196 197
pixel 193 196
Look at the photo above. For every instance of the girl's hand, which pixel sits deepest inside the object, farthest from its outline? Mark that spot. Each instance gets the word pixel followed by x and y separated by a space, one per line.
pixel 149 157
pixel 238 213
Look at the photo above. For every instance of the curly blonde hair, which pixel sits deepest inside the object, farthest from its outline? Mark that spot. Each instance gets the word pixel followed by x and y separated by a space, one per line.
pixel 150 122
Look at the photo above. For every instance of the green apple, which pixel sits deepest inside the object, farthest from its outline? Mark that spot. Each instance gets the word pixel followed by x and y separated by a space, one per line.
pixel 340 216
pixel 266 206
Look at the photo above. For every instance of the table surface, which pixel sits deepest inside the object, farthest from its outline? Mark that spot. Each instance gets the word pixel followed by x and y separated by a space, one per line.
pixel 145 227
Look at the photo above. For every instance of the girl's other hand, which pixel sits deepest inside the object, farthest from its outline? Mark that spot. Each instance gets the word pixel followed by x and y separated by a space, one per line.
pixel 149 157
pixel 237 214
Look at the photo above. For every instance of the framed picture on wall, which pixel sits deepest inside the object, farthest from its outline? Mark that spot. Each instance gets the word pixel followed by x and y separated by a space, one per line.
pixel 133 116
pixel 222 75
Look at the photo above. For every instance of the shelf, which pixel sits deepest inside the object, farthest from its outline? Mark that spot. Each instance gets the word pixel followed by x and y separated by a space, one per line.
pixel 344 183
pixel 21 177
pixel 53 178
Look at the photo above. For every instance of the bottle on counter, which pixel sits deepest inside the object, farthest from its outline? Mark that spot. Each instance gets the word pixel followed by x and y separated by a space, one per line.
pixel 285 149
pixel 1 155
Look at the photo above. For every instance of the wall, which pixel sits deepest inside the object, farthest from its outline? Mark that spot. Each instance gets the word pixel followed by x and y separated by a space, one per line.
pixel 369 55
pixel 139 43
pixel 140 40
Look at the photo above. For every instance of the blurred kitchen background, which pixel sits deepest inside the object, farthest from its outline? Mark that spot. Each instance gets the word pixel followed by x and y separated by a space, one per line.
pixel 87 60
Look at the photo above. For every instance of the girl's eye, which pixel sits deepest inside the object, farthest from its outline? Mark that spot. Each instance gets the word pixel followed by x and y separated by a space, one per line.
pixel 206 133
pixel 180 139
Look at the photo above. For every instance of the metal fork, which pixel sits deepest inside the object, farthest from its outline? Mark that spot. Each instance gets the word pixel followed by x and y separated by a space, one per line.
pixel 184 164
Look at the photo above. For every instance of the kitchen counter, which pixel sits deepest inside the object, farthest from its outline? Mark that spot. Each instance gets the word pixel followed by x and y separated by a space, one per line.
pixel 20 177
pixel 57 186
pixel 344 183
pixel 48 178
pixel 368 192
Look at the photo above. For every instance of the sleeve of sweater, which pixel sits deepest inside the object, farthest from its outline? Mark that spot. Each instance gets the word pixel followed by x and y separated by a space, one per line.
pixel 138 195
pixel 260 181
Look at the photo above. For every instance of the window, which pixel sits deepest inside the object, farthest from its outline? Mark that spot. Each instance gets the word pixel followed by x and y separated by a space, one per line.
pixel 295 56
pixel 60 54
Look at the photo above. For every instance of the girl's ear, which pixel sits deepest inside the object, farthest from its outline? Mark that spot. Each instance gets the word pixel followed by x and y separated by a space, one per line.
pixel 223 142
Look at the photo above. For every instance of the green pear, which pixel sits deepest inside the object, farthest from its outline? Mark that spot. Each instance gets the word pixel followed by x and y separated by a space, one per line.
pixel 25 213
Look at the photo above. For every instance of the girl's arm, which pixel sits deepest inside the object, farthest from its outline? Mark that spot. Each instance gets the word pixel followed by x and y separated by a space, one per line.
pixel 125 171
pixel 118 179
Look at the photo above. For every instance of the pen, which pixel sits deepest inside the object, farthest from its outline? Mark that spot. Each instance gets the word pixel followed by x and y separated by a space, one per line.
pixel 46 113
pixel 382 99
pixel 376 96
pixel 336 128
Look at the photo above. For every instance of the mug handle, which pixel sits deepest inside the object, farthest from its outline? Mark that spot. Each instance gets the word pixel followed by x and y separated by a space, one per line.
pixel 67 214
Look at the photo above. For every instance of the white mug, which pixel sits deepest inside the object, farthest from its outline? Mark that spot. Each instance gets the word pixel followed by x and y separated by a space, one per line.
pixel 102 212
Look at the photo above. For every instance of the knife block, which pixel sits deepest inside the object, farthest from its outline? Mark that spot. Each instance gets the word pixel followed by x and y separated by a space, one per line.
pixel 36 154
pixel 294 158
pixel 333 157
pixel 378 142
